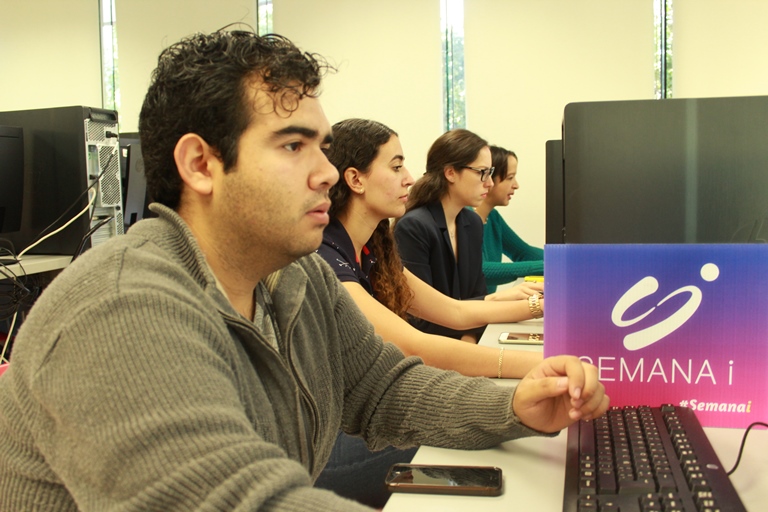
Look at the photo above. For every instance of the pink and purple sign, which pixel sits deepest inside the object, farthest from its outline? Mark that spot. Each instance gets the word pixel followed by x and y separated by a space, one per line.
pixel 684 324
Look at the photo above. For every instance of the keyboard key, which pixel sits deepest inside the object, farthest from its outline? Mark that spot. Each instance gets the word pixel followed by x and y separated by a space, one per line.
pixel 606 482
pixel 587 504
pixel 588 486
pixel 636 486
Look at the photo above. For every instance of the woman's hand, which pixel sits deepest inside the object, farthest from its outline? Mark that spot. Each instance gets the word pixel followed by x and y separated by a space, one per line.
pixel 520 292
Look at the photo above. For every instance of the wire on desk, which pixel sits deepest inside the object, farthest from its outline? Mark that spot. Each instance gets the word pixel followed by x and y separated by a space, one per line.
pixel 70 221
pixel 16 296
pixel 743 441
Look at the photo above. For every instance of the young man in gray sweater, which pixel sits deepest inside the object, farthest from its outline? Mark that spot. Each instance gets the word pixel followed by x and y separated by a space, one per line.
pixel 206 359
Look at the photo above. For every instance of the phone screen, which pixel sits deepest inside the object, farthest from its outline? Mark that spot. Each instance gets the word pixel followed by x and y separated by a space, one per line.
pixel 524 338
pixel 473 480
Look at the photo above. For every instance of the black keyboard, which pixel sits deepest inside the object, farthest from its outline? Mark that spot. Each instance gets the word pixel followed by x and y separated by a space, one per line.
pixel 645 459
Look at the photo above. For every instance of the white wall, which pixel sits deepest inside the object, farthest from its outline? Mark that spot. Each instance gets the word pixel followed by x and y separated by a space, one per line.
pixel 527 59
pixel 146 27
pixel 719 48
pixel 49 54
pixel 388 56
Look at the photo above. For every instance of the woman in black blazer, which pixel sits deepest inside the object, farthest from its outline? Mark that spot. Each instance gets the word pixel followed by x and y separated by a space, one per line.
pixel 440 240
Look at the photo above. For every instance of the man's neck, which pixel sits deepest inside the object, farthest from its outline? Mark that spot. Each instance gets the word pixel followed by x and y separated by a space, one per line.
pixel 236 276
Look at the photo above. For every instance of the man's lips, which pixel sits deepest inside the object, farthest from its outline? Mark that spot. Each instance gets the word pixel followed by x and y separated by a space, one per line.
pixel 320 212
pixel 321 208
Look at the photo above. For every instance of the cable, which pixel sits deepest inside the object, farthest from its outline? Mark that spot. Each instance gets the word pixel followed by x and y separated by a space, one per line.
pixel 743 442
pixel 7 251
pixel 88 235
pixel 73 219
pixel 8 339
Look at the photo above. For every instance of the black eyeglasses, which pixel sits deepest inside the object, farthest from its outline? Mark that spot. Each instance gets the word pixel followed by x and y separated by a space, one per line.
pixel 484 173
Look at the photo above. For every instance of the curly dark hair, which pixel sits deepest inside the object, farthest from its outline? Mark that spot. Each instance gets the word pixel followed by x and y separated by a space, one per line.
pixel 201 86
pixel 455 148
pixel 356 143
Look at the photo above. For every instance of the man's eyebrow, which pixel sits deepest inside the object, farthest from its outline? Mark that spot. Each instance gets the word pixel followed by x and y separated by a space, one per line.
pixel 398 157
pixel 303 131
pixel 296 130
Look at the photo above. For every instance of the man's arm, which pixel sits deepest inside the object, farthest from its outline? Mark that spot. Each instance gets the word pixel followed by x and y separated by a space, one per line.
pixel 398 401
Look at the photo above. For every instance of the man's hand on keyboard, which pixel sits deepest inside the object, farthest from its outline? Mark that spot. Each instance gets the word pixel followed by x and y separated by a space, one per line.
pixel 558 392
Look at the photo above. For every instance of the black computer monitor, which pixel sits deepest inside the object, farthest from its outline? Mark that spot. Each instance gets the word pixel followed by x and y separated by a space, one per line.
pixel 666 171
pixel 135 198
pixel 11 178
pixel 554 192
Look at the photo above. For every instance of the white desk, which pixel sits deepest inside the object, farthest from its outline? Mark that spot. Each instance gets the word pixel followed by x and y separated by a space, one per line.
pixel 36 264
pixel 534 468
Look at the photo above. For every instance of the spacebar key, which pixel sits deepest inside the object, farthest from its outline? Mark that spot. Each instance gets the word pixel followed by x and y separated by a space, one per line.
pixel 637 486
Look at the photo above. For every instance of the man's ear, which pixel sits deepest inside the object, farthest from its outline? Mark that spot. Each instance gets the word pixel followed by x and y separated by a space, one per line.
pixel 354 180
pixel 197 163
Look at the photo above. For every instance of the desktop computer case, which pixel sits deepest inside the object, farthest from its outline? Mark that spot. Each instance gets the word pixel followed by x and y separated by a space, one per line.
pixel 65 151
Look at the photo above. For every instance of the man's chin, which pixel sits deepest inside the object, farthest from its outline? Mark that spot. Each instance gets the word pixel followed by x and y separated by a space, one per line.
pixel 310 244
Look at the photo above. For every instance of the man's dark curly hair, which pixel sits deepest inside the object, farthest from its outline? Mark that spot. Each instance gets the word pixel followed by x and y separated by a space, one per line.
pixel 201 85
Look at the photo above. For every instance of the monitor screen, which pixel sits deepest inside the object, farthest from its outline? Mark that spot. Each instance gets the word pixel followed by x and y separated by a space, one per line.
pixel 11 177
pixel 666 171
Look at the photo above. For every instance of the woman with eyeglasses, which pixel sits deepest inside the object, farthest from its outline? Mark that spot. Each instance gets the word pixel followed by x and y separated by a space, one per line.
pixel 440 239
pixel 498 237
pixel 359 246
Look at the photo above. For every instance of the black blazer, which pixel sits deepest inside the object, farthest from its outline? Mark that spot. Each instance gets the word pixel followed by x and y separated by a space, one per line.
pixel 425 248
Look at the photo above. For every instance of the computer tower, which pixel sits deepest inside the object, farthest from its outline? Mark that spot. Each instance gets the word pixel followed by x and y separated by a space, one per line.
pixel 70 155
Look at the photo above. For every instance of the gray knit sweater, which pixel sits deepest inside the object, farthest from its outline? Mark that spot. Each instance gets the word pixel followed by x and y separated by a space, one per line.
pixel 135 386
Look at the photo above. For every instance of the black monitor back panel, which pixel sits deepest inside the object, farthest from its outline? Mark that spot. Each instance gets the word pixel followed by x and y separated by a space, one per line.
pixel 666 171
pixel 11 177
pixel 555 220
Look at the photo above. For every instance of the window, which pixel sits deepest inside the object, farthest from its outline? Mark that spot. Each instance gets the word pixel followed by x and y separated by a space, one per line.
pixel 662 10
pixel 110 84
pixel 264 17
pixel 454 90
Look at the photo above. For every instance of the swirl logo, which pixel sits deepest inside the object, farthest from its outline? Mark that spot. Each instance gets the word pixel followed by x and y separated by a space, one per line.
pixel 647 287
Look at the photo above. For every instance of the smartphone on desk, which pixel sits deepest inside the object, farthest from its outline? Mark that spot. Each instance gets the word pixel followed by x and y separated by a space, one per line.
pixel 522 338
pixel 466 480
